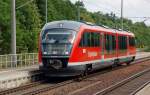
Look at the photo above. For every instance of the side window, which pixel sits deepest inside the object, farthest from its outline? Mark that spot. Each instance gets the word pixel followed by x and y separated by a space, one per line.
pixel 97 39
pixel 107 44
pixel 110 42
pixel 85 40
pixel 131 41
pixel 113 42
pixel 122 42
pixel 90 39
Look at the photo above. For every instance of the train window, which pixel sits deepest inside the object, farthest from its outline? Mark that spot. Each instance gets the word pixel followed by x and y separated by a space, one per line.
pixel 122 42
pixel 85 40
pixel 110 42
pixel 107 44
pixel 97 39
pixel 131 41
pixel 58 35
pixel 113 43
pixel 90 39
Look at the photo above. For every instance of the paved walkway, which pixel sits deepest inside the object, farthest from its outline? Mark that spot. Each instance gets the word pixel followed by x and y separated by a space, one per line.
pixel 142 54
pixel 19 69
pixel 144 91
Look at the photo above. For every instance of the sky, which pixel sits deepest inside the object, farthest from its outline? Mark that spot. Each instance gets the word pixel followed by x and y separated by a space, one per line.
pixel 131 8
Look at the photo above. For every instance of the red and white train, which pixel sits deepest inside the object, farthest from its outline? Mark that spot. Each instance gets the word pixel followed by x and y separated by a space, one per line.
pixel 68 48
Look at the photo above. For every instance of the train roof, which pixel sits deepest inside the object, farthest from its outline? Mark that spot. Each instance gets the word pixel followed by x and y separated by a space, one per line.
pixel 64 24
pixel 75 25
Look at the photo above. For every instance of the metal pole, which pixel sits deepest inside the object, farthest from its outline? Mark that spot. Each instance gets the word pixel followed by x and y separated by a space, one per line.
pixel 78 10
pixel 13 28
pixel 46 11
pixel 122 15
pixel 78 13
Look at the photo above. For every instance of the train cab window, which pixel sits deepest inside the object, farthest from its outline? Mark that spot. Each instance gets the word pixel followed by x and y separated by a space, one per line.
pixel 110 42
pixel 90 39
pixel 122 42
pixel 131 41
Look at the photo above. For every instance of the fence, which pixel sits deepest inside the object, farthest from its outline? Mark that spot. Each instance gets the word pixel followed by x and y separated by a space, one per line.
pixel 18 60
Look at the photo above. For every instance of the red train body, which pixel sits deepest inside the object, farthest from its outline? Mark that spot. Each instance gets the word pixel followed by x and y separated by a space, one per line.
pixel 68 48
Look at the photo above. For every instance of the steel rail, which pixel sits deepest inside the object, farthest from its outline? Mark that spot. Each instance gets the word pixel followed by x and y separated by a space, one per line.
pixel 140 88
pixel 112 87
pixel 51 87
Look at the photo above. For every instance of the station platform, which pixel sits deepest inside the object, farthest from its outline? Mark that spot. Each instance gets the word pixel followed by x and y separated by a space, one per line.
pixel 16 77
pixel 142 55
pixel 144 91
pixel 27 68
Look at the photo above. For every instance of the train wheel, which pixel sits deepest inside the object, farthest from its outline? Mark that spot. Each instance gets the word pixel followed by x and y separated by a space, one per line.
pixel 133 58
pixel 128 63
pixel 85 73
pixel 81 76
pixel 88 68
pixel 116 63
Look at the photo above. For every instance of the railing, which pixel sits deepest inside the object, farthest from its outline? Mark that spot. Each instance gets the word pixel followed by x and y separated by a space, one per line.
pixel 18 60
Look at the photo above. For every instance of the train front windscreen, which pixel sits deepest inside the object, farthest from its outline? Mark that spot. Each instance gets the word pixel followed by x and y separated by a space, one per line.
pixel 57 41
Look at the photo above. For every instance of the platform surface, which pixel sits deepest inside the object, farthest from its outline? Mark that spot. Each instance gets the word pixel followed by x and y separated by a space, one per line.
pixel 142 55
pixel 27 68
pixel 16 77
pixel 17 73
pixel 144 91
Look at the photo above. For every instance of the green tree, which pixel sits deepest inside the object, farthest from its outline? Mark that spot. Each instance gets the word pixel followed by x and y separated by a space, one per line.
pixel 28 26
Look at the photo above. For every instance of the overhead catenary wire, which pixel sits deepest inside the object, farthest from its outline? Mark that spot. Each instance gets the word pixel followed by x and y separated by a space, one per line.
pixel 144 18
pixel 137 17
pixel 24 4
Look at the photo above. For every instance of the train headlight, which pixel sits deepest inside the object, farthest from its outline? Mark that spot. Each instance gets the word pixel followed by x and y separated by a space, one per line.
pixel 66 52
pixel 45 52
pixel 41 64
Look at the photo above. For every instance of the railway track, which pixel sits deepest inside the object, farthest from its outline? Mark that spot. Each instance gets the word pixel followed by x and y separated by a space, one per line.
pixel 115 88
pixel 47 88
pixel 39 87
pixel 112 81
pixel 140 88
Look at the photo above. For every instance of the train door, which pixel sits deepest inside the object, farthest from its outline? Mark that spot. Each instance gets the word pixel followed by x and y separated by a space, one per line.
pixel 99 64
pixel 110 52
pixel 122 44
pixel 88 49
pixel 132 49
pixel 102 46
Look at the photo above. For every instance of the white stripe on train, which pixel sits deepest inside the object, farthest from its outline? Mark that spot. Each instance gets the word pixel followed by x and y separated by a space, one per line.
pixel 96 61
